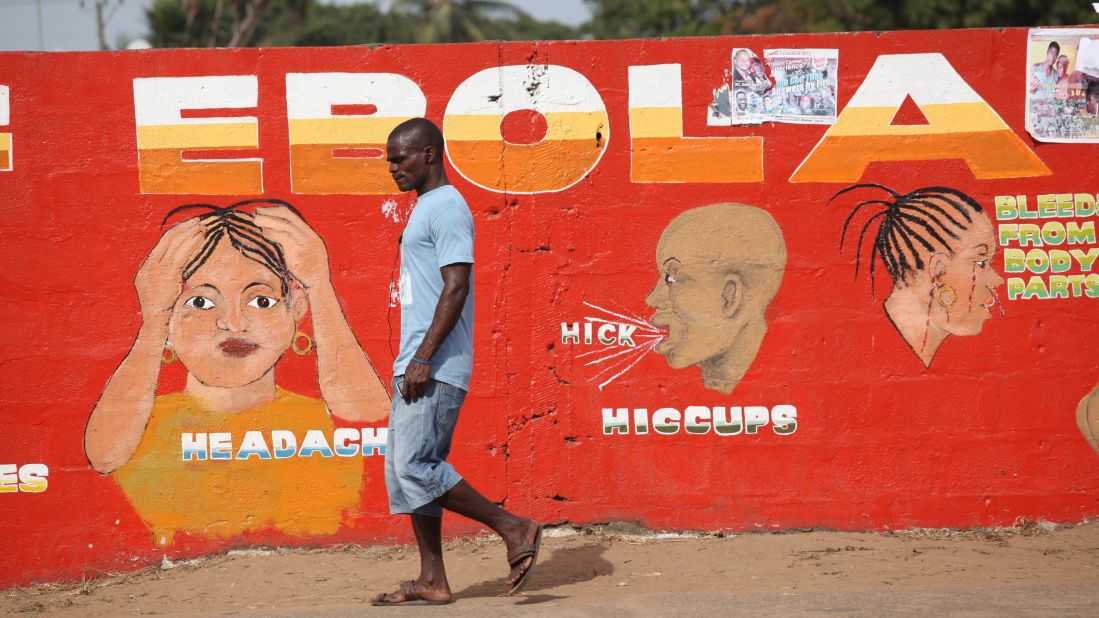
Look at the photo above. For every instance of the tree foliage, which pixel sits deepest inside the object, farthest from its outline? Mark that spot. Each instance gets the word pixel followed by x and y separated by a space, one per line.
pixel 234 23
pixel 615 19
pixel 237 23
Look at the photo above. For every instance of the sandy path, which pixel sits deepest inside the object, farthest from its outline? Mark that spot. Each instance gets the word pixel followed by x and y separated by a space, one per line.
pixel 606 572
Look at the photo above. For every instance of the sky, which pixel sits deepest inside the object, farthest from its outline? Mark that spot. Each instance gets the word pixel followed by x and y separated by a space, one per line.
pixel 68 26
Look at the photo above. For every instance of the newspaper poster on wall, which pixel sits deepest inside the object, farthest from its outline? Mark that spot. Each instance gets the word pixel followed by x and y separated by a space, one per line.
pixel 805 85
pixel 786 85
pixel 1062 93
pixel 739 100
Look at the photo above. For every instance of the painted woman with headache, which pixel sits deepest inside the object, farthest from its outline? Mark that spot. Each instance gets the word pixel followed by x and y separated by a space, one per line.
pixel 227 294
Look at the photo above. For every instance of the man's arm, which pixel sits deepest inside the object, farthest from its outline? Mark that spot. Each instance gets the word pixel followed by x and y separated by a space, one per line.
pixel 451 302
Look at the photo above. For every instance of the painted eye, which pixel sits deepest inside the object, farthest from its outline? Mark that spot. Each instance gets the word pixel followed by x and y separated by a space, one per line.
pixel 200 302
pixel 983 263
pixel 669 279
pixel 263 302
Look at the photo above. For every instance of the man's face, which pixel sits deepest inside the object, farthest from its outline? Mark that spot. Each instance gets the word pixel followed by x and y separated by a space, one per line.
pixel 1051 55
pixel 742 61
pixel 741 101
pixel 690 303
pixel 407 164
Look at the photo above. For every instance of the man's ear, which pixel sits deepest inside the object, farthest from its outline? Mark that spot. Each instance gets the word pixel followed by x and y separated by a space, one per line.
pixel 732 294
pixel 299 304
pixel 429 154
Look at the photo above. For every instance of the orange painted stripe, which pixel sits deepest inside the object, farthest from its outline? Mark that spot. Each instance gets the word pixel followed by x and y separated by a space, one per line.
pixel 670 159
pixel 941 118
pixel 549 165
pixel 989 154
pixel 163 171
pixel 315 170
pixel 5 159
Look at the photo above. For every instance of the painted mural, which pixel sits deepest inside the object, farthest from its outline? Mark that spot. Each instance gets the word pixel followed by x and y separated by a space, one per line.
pixel 872 306
pixel 720 267
pixel 225 294
pixel 938 247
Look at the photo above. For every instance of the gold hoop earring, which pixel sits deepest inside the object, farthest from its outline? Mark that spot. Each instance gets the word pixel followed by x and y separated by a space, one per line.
pixel 302 350
pixel 947 296
pixel 168 356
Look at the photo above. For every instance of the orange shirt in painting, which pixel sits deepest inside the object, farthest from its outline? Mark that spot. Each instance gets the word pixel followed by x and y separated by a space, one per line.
pixel 298 494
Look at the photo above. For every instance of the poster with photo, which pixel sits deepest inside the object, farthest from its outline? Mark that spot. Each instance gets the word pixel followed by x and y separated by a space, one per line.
pixel 805 85
pixel 1062 86
pixel 787 85
pixel 750 86
pixel 740 99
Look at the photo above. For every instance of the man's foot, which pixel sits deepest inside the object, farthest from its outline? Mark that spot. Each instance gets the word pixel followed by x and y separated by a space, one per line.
pixel 412 593
pixel 522 554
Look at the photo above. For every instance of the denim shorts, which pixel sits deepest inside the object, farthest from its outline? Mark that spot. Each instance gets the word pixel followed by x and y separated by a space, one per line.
pixel 416 471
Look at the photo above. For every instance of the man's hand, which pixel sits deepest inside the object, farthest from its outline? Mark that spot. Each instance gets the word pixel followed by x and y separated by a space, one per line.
pixel 416 377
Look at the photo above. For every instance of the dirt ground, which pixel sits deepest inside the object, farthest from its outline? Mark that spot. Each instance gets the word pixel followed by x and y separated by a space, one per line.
pixel 612 570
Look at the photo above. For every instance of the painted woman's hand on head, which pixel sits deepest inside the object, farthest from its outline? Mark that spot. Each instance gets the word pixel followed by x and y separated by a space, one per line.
pixel 306 255
pixel 160 278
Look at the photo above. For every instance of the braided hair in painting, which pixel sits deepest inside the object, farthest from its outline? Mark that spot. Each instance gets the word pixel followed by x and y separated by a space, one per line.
pixel 239 228
pixel 928 219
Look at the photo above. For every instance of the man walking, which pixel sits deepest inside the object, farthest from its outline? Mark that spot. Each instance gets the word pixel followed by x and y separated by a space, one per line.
pixel 433 369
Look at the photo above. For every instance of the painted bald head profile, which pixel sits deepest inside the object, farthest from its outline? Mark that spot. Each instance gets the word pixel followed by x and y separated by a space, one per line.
pixel 938 246
pixel 720 266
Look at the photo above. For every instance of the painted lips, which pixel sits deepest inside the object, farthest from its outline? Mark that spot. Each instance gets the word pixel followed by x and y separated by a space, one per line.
pixel 237 348
pixel 662 324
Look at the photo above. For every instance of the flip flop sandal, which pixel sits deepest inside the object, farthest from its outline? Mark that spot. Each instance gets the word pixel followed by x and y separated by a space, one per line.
pixel 410 595
pixel 524 552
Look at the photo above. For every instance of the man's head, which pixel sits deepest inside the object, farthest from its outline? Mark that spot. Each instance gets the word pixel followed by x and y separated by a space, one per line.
pixel 1091 97
pixel 1052 51
pixel 720 266
pixel 742 60
pixel 415 153
pixel 741 100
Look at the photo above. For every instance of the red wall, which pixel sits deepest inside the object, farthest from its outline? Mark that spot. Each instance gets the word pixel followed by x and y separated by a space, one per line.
pixel 983 436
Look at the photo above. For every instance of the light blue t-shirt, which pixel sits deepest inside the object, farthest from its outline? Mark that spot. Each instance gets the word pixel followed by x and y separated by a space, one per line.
pixel 439 233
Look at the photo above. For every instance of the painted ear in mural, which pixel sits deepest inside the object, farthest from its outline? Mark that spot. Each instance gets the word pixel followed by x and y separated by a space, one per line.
pixel 937 245
pixel 731 294
pixel 719 267
pixel 1087 418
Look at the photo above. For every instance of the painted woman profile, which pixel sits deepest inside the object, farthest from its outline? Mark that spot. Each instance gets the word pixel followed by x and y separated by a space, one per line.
pixel 224 293
pixel 937 245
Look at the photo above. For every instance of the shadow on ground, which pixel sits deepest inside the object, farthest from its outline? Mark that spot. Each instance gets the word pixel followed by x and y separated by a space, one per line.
pixel 567 565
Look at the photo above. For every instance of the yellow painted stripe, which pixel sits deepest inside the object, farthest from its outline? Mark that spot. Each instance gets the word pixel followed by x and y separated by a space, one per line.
pixel 656 122
pixel 5 141
pixel 560 126
pixel 345 130
pixel 941 118
pixel 227 135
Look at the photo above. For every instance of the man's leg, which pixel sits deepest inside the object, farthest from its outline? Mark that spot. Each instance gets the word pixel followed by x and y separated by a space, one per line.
pixel 516 531
pixel 432 583
pixel 407 424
